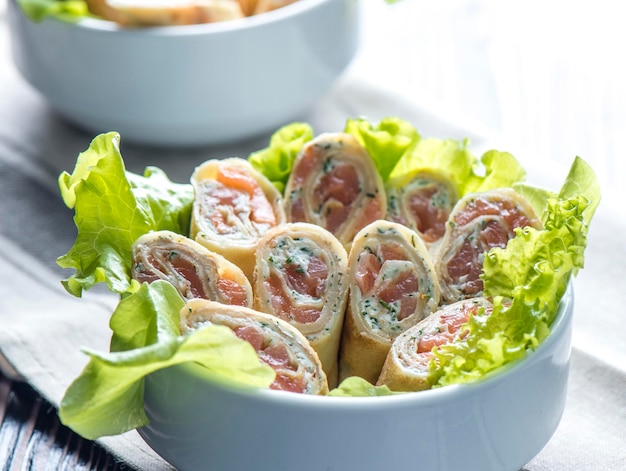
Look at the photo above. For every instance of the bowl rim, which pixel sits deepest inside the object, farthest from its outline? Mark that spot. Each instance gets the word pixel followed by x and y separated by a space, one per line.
pixel 427 398
pixel 279 15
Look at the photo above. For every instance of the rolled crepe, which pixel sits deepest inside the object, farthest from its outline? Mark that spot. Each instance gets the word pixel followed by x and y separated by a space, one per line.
pixel 335 185
pixel 478 223
pixel 191 268
pixel 278 344
pixel 234 207
pixel 421 200
pixel 301 277
pixel 407 364
pixel 393 286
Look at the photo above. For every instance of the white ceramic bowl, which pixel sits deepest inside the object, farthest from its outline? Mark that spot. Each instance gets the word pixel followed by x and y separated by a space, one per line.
pixel 188 85
pixel 499 423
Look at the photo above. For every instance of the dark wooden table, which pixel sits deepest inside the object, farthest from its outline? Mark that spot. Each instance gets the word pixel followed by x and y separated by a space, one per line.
pixel 32 437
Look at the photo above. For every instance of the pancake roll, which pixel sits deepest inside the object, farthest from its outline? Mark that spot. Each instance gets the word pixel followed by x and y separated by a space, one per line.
pixel 191 268
pixel 393 286
pixel 278 344
pixel 421 200
pixel 301 277
pixel 234 207
pixel 335 184
pixel 407 364
pixel 478 223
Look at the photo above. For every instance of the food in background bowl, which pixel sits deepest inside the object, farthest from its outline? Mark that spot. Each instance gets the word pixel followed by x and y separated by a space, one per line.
pixel 187 85
pixel 141 13
pixel 179 12
pixel 487 367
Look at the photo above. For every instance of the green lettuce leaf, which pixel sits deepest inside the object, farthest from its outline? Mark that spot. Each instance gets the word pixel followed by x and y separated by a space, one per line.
pixel 454 160
pixel 386 142
pixel 495 170
pixel 581 180
pixel 355 386
pixel 146 317
pixel 536 196
pixel 64 10
pixel 276 160
pixel 449 157
pixel 107 397
pixel 113 208
pixel 533 273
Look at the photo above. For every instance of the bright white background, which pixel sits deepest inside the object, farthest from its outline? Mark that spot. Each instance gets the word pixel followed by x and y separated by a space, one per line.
pixel 550 76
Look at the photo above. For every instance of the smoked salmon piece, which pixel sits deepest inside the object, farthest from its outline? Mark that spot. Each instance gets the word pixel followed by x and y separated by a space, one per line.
pixel 334 184
pixel 393 286
pixel 407 364
pixel 301 277
pixel 191 268
pixel 278 344
pixel 421 200
pixel 234 207
pixel 478 223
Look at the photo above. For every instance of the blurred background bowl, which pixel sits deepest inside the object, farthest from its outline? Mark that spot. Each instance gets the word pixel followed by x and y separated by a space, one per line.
pixel 188 85
pixel 497 424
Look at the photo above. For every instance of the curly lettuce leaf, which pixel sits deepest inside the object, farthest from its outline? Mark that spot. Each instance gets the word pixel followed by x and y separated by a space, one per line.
pixel 276 160
pixel 355 386
pixel 581 180
pixel 453 159
pixel 387 141
pixel 113 208
pixel 107 397
pixel 532 273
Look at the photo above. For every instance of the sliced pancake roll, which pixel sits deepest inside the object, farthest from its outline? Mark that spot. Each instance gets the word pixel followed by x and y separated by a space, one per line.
pixel 301 277
pixel 478 223
pixel 407 364
pixel 278 344
pixel 334 184
pixel 234 207
pixel 191 268
pixel 421 200
pixel 393 286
